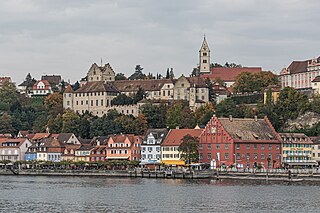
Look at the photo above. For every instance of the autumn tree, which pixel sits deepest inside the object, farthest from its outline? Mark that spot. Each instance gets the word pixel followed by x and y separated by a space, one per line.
pixel 203 114
pixel 70 121
pixel 189 149
pixel 180 115
pixel 141 124
pixel 254 82
pixel 54 104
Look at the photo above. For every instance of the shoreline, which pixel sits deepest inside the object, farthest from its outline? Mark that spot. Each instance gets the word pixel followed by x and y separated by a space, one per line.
pixel 209 175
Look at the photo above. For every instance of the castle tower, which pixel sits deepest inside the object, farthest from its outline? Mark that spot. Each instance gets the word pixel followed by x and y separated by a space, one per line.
pixel 204 56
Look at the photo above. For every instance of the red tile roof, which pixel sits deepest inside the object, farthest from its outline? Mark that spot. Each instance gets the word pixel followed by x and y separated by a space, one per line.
pixel 229 74
pixel 45 82
pixel 174 137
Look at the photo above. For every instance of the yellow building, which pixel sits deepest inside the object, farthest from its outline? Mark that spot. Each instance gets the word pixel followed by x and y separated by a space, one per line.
pixel 275 92
pixel 297 150
pixel 169 148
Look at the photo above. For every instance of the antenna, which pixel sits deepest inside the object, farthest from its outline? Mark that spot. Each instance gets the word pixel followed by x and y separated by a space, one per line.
pixel 101 62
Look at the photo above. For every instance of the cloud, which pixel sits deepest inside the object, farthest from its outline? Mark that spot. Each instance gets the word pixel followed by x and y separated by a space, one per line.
pixel 66 37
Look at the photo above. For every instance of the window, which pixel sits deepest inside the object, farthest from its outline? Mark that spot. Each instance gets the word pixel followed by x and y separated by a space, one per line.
pixel 201 156
pixel 226 156
pixel 227 146
pixel 277 156
pixel 204 54
pixel 149 156
pixel 270 156
pixel 255 156
pixel 255 146
pixel 248 146
pixel 209 146
pixel 277 147
pixel 204 61
pixel 238 156
pixel 262 146
pixel 149 149
pixel 262 156
pixel 248 156
pixel 200 146
pixel 238 146
pixel 209 156
pixel 218 146
pixel 270 146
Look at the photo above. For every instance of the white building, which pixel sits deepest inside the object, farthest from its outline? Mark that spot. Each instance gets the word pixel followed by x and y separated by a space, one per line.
pixel 151 146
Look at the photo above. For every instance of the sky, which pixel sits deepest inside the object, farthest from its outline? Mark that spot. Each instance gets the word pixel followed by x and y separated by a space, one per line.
pixel 66 37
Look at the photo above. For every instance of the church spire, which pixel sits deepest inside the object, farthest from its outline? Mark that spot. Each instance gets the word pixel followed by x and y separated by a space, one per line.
pixel 204 56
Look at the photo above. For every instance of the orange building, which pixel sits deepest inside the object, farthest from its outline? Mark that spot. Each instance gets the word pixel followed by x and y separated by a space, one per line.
pixel 124 147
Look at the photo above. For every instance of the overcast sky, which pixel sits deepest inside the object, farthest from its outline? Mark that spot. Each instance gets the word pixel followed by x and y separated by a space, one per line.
pixel 66 37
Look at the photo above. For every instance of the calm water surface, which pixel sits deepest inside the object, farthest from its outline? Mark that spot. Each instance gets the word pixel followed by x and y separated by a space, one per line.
pixel 83 194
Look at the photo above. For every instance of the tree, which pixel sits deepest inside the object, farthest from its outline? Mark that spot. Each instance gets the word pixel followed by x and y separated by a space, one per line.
pixel 228 107
pixel 189 149
pixel 141 124
pixel 215 65
pixel 6 124
pixel 254 82
pixel 76 86
pixel 209 84
pixel 122 99
pixel 180 115
pixel 171 74
pixel 195 71
pixel 120 76
pixel 55 124
pixel 54 104
pixel 141 94
pixel 70 121
pixel 138 74
pixel 8 95
pixel 155 114
pixel 290 104
pixel 168 74
pixel 84 127
pixel 203 114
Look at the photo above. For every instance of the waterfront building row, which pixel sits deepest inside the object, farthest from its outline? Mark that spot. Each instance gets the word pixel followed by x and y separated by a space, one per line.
pixel 227 142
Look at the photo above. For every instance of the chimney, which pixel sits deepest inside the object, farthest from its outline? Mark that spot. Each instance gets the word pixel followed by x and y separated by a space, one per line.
pixel 98 143
pixel 256 118
pixel 230 118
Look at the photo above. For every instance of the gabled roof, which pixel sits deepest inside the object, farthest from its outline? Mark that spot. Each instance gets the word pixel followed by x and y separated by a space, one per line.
pixel 97 86
pixel 295 138
pixel 146 85
pixel 64 137
pixel 247 129
pixel 52 79
pixel 229 74
pixel 23 133
pixel 174 137
pixel 45 82
pixel 18 141
pixel 197 82
pixel 298 67
pixel 315 140
pixel 158 134
pixel 68 89
pixel 38 136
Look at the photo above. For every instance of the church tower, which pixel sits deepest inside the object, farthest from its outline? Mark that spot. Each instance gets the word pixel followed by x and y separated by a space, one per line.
pixel 204 55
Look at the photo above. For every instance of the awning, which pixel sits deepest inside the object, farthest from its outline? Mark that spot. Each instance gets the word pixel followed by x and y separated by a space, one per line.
pixel 173 162
pixel 115 158
pixel 302 163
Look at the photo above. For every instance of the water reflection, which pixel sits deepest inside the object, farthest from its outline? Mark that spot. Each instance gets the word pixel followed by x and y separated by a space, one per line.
pixel 85 194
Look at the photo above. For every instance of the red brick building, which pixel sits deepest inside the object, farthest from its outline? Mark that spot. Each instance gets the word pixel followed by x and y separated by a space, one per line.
pixel 240 142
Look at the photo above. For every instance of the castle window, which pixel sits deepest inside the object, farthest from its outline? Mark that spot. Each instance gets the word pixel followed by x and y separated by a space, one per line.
pixel 204 54
pixel 204 61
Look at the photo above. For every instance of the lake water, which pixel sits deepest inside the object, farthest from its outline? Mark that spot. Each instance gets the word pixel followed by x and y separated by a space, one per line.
pixel 85 194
